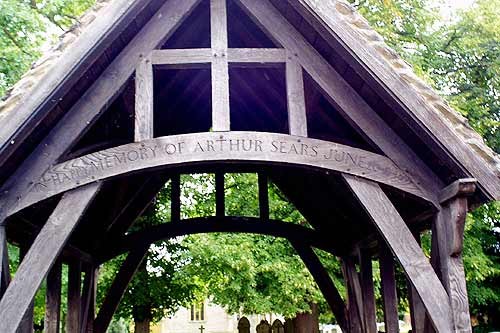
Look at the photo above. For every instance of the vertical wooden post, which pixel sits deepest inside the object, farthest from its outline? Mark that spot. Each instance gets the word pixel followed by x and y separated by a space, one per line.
pixel 175 198
pixel 389 294
pixel 263 197
pixel 417 309
pixel 220 66
pixel 354 298
pixel 53 299
pixel 367 288
pixel 448 232
pixel 4 261
pixel 297 118
pixel 88 300
pixel 402 244
pixel 220 204
pixel 144 100
pixel 118 288
pixel 42 254
pixel 74 296
pixel 26 325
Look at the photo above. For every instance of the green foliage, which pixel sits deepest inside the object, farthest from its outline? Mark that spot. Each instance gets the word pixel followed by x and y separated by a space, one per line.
pixel 25 26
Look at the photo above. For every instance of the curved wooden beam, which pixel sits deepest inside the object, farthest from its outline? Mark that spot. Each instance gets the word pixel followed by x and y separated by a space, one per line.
pixel 227 147
pixel 253 225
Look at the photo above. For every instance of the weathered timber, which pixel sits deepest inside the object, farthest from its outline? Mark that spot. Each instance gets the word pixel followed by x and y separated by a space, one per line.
pixel 448 233
pixel 460 188
pixel 118 288
pixel 296 101
pixel 89 299
pixel 263 196
pixel 175 198
pixel 252 147
pixel 94 39
pixel 74 302
pixel 4 261
pixel 174 57
pixel 403 245
pixel 417 310
pixel 26 325
pixel 367 288
pixel 53 299
pixel 92 103
pixel 372 65
pixel 343 96
pixel 42 254
pixel 354 297
pixel 214 224
pixel 220 66
pixel 220 202
pixel 325 283
pixel 389 295
pixel 144 100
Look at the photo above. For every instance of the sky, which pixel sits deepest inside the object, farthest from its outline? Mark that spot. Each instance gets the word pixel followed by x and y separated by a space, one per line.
pixel 448 7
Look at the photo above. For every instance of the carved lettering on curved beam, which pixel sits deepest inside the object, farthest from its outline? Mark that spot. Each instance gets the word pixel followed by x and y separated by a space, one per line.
pixel 183 149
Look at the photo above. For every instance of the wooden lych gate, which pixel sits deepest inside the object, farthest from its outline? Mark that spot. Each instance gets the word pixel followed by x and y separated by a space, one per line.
pixel 301 92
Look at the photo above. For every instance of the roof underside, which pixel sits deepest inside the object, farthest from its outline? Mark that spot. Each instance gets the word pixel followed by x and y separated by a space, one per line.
pixel 258 102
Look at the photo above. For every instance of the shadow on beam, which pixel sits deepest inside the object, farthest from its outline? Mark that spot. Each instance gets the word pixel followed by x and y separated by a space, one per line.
pixel 288 230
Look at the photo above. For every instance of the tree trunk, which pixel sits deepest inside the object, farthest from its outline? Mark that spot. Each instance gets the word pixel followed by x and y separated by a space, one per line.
pixel 307 322
pixel 142 326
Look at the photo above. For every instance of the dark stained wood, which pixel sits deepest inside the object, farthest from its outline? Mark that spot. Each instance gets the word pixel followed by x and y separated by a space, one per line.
pixel 42 255
pixel 144 100
pixel 214 224
pixel 403 245
pixel 418 112
pixel 26 325
pixel 73 315
pixel 417 309
pixel 118 288
pixel 175 198
pixel 94 39
pixel 220 202
pixel 91 105
pixel 296 101
pixel 324 281
pixel 89 289
pixel 354 297
pixel 460 188
pixel 447 243
pixel 4 261
pixel 209 147
pixel 343 96
pixel 220 66
pixel 366 277
pixel 389 295
pixel 53 299
pixel 263 196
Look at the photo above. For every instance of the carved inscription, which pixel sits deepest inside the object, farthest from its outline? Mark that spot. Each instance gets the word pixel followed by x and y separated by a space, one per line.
pixel 210 147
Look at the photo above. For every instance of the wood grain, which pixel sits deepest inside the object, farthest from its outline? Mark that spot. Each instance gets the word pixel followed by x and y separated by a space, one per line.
pixel 404 247
pixel 73 317
pixel 296 101
pixel 220 66
pixel 343 96
pixel 144 101
pixel 42 254
pixel 53 299
pixel 231 147
pixel 389 294
pixel 367 287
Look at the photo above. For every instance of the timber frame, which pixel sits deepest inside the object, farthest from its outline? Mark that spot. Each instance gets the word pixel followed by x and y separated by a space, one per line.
pixel 161 88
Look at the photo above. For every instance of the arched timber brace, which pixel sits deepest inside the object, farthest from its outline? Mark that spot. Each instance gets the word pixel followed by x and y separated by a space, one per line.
pixel 249 147
pixel 42 255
